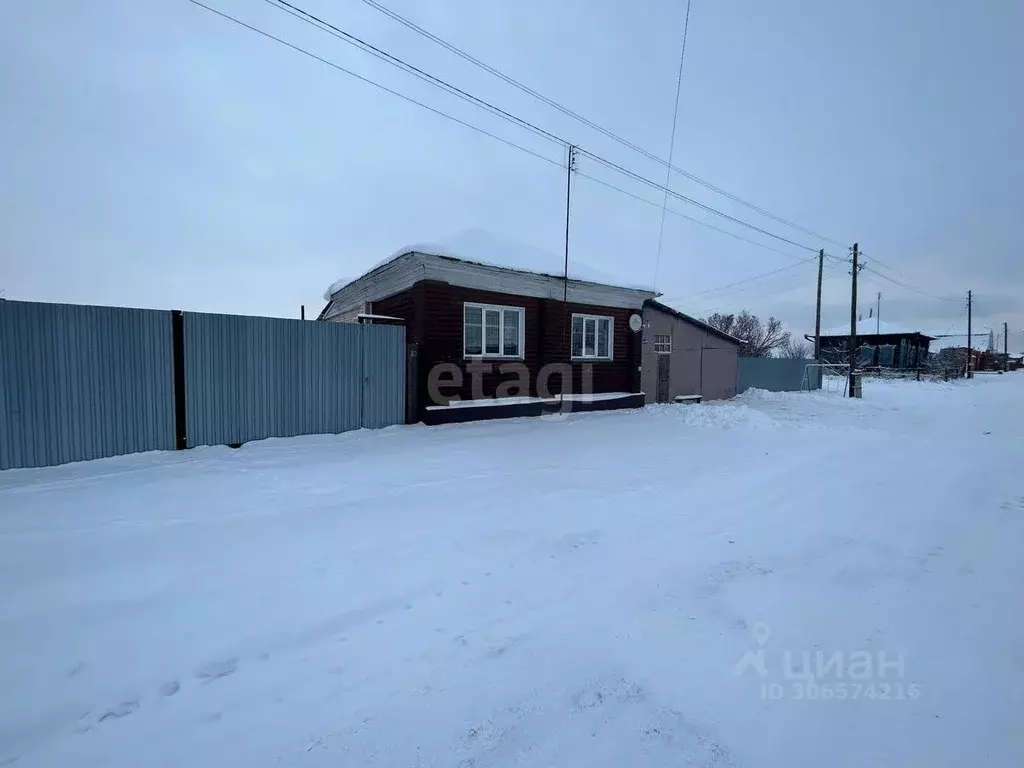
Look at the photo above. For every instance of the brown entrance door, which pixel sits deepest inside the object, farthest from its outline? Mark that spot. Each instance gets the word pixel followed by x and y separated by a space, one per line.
pixel 663 367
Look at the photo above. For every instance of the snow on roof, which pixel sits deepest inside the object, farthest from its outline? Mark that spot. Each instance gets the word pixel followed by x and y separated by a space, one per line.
pixel 946 340
pixel 867 327
pixel 478 246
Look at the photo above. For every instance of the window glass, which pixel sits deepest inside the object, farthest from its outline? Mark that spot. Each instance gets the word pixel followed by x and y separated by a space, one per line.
pixel 474 329
pixel 492 332
pixel 589 326
pixel 602 337
pixel 511 332
pixel 577 337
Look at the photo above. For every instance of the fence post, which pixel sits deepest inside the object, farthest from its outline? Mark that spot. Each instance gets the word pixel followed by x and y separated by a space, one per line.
pixel 178 354
pixel 412 383
pixel 362 372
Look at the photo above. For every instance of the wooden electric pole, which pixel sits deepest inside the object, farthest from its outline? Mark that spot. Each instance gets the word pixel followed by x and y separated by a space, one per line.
pixel 570 167
pixel 878 312
pixel 1006 347
pixel 817 311
pixel 853 319
pixel 970 303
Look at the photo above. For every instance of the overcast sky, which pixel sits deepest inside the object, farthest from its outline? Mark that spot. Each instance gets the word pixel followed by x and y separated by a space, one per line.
pixel 159 156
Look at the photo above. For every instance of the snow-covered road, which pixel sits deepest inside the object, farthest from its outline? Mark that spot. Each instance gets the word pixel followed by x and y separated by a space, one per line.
pixel 610 589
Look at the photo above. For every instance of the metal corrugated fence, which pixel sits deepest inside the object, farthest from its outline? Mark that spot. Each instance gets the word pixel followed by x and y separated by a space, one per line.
pixel 248 378
pixel 82 382
pixel 776 374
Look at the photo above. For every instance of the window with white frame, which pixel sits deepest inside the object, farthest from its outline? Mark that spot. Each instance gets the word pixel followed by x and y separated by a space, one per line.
pixel 662 344
pixel 489 330
pixel 592 337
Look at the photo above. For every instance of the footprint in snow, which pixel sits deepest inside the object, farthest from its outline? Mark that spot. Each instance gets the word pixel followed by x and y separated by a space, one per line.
pixel 216 670
pixel 123 709
pixel 169 688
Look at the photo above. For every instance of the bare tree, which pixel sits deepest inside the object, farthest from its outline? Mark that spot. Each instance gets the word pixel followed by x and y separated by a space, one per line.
pixel 762 338
pixel 795 349
pixel 724 323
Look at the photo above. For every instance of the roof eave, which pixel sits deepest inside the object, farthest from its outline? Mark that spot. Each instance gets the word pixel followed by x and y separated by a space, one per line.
pixel 690 319
pixel 645 292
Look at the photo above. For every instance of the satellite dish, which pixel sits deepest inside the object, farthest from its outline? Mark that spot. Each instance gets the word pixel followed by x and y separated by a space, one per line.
pixel 635 322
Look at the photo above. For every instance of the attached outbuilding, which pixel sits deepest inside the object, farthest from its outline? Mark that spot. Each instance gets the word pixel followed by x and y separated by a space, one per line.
pixel 684 358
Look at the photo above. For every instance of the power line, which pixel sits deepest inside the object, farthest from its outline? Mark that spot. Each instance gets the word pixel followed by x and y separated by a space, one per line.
pixel 473 127
pixel 694 219
pixel 751 292
pixel 739 282
pixel 395 61
pixel 887 266
pixel 905 285
pixel 384 56
pixel 953 324
pixel 672 142
pixel 589 123
pixel 375 84
pixel 644 180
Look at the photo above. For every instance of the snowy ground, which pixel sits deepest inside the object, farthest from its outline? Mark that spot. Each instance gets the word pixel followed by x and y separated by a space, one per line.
pixel 609 589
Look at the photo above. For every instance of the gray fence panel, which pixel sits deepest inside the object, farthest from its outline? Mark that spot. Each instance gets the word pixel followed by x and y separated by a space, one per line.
pixel 83 382
pixel 249 378
pixel 383 375
pixel 776 374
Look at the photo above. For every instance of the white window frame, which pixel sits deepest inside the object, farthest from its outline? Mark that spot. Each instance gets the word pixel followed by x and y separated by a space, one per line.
pixel 500 309
pixel 611 337
pixel 661 347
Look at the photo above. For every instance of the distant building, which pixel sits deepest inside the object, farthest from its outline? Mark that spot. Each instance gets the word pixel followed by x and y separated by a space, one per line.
pixel 879 345
pixel 949 351
pixel 981 341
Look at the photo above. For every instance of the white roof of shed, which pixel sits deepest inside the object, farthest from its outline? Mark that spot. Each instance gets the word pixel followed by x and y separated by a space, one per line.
pixel 959 340
pixel 869 326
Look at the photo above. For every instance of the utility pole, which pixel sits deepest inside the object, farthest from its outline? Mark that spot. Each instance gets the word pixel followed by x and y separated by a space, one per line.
pixel 302 312
pixel 817 311
pixel 853 318
pixel 570 168
pixel 970 306
pixel 878 311
pixel 1006 347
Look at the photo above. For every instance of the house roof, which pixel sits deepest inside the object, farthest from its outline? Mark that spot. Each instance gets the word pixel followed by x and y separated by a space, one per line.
pixel 869 326
pixel 959 340
pixel 478 246
pixel 692 320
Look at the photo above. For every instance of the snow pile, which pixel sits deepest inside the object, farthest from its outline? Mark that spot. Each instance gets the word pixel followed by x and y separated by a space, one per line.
pixel 723 415
pixel 482 247
pixel 632 588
